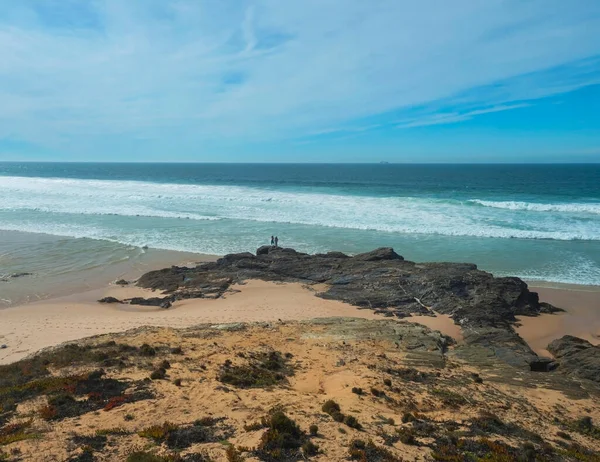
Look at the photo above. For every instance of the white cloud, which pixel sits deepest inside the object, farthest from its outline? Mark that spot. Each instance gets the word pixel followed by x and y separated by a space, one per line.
pixel 453 117
pixel 272 69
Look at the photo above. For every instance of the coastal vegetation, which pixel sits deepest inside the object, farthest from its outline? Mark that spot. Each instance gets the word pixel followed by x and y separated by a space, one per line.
pixel 326 389
pixel 277 392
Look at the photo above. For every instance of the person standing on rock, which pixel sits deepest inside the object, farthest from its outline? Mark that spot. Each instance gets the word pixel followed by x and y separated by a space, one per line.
pixel 272 240
pixel 276 241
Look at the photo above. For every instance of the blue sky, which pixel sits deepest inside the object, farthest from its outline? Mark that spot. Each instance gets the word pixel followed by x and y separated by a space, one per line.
pixel 305 80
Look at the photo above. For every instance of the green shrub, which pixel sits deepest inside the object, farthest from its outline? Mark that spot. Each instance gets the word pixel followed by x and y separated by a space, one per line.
pixel 16 432
pixel 263 369
pixel 233 455
pixel 359 450
pixel 147 350
pixel 376 392
pixel 158 433
pixel 352 422
pixel 158 374
pixel 143 456
pixel 408 417
pixel 282 437
pixel 449 398
pixel 337 416
pixel 95 442
pixel 310 449
pixel 206 422
pixel 406 436
pixel 330 407
pixel 253 426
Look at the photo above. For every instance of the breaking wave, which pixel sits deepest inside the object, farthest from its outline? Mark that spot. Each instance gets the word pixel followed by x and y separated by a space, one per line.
pixel 589 208
pixel 92 208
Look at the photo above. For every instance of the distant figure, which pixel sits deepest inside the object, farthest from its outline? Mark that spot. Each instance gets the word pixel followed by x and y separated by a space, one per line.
pixel 272 240
pixel 276 241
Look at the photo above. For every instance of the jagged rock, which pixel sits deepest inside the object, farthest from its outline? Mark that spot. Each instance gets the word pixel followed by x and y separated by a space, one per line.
pixel 167 279
pixel 109 300
pixel 332 255
pixel 3 347
pixel 547 308
pixel 7 277
pixel 577 357
pixel 19 275
pixel 234 257
pixel 121 282
pixel 486 346
pixel 380 280
pixel 543 365
pixel 163 302
pixel 264 249
pixel 383 253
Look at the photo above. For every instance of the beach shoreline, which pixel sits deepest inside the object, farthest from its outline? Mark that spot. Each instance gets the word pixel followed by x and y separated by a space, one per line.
pixel 49 267
pixel 129 264
pixel 68 309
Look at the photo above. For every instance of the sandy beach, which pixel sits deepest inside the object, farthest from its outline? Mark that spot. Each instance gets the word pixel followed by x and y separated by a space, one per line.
pixel 580 319
pixel 26 329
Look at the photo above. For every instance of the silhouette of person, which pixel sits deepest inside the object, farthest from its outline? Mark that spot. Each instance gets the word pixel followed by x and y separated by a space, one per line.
pixel 276 241
pixel 272 240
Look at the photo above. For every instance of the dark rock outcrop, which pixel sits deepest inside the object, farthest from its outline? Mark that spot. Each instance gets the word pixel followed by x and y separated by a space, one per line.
pixel 383 253
pixel 20 275
pixel 576 357
pixel 543 365
pixel 264 250
pixel 383 281
pixel 485 346
pixel 380 279
pixel 109 300
pixel 7 277
pixel 163 302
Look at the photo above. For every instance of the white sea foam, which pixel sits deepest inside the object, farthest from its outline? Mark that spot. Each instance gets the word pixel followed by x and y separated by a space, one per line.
pixel 577 207
pixel 93 209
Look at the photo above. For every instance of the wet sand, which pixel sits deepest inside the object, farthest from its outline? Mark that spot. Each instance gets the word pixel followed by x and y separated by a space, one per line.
pixel 54 266
pixel 581 317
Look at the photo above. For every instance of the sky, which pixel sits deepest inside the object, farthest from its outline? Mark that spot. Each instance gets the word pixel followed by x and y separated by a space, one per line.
pixel 300 80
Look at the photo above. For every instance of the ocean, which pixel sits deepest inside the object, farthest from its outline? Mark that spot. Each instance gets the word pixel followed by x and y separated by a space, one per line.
pixel 538 222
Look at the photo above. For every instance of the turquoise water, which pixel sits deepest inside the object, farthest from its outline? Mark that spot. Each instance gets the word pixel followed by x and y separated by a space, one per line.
pixel 533 221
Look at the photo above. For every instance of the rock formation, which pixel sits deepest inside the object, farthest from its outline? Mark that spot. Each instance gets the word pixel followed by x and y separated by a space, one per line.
pixel 577 357
pixel 381 280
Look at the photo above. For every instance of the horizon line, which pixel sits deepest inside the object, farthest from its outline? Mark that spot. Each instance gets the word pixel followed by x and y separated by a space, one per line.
pixel 291 163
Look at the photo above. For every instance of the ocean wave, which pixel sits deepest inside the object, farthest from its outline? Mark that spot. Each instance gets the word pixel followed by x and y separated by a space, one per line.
pixel 120 212
pixel 44 204
pixel 576 207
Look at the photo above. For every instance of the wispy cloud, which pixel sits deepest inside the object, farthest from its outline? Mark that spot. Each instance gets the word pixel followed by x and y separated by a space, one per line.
pixel 453 117
pixel 73 73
